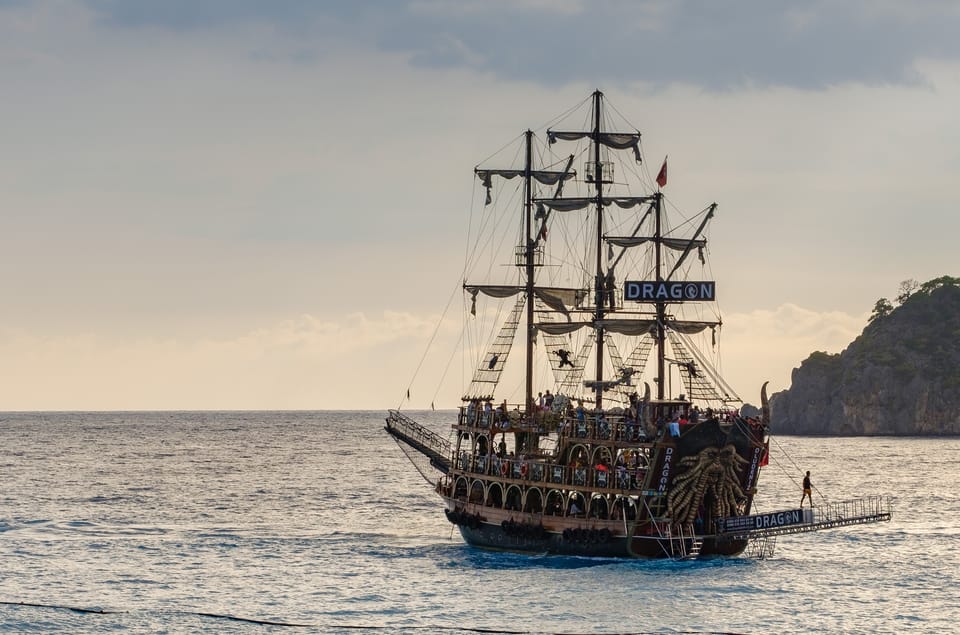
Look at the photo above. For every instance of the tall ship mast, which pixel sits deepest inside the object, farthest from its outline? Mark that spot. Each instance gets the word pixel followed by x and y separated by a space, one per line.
pixel 617 436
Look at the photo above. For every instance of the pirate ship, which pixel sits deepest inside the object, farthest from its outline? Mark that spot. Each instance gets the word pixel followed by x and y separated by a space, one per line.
pixel 616 435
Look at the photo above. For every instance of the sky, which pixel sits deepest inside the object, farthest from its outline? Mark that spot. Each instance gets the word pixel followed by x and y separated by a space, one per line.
pixel 232 204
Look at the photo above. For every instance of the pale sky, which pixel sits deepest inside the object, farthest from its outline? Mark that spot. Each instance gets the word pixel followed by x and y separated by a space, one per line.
pixel 240 204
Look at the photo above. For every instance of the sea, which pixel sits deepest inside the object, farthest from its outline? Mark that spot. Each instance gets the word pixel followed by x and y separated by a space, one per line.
pixel 280 522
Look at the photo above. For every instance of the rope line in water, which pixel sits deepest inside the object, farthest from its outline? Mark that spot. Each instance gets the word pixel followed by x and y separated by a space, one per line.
pixel 78 609
pixel 75 609
pixel 359 627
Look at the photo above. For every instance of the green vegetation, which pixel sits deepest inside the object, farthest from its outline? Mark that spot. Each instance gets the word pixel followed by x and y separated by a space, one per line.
pixel 881 309
pixel 910 289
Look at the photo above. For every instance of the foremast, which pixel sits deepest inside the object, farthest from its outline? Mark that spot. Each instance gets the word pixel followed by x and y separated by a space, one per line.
pixel 528 258
pixel 530 247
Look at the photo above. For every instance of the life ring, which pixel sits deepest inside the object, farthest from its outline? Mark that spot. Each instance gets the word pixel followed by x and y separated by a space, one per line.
pixel 503 468
pixel 523 470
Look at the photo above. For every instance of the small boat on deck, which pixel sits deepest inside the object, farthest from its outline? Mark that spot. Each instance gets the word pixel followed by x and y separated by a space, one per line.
pixel 622 438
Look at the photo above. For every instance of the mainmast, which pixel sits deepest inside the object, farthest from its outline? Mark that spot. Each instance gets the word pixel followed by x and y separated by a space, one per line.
pixel 599 278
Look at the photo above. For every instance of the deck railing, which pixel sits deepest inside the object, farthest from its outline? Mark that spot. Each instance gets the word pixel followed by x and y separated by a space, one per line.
pixel 593 427
pixel 553 474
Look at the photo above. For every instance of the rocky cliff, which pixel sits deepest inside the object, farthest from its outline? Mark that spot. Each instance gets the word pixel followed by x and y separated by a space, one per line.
pixel 901 376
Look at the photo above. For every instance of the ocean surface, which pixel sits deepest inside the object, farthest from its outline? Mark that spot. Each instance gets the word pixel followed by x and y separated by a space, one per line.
pixel 276 522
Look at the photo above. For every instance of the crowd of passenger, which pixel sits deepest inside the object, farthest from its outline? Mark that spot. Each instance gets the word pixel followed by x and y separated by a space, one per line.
pixel 557 413
pixel 574 422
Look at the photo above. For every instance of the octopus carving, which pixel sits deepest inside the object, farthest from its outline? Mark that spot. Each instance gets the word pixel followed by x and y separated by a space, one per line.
pixel 710 474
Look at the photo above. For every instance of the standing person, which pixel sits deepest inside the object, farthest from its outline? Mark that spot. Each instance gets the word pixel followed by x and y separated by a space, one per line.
pixel 807 490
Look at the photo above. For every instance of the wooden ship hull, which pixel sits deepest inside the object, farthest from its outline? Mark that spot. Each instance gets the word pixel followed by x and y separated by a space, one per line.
pixel 662 498
pixel 527 533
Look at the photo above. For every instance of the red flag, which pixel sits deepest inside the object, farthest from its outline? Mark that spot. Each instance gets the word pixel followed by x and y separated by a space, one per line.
pixel 662 176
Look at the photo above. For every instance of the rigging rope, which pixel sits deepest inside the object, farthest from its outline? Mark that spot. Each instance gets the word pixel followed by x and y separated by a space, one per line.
pixel 429 344
pixel 799 469
pixel 410 454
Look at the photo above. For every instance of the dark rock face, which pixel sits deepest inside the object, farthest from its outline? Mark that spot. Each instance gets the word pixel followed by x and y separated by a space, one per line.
pixel 901 376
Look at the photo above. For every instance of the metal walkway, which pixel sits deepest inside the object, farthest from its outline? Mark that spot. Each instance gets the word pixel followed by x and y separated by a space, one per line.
pixel 425 441
pixel 861 511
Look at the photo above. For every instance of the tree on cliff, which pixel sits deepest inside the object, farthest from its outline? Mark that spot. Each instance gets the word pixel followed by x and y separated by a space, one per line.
pixel 881 309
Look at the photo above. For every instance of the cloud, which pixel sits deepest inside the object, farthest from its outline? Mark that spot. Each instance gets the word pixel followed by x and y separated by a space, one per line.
pixel 762 345
pixel 351 361
pixel 300 363
pixel 719 46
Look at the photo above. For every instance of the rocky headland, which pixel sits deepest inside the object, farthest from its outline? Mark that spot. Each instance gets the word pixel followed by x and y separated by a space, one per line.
pixel 901 376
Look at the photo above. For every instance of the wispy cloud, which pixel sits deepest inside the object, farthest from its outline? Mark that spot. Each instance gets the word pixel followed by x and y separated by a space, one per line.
pixel 301 363
pixel 715 45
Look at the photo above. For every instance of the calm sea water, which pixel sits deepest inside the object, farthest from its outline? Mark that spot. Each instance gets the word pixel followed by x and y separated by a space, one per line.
pixel 185 522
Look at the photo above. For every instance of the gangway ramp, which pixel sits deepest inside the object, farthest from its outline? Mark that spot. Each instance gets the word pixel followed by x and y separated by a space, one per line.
pixel 861 511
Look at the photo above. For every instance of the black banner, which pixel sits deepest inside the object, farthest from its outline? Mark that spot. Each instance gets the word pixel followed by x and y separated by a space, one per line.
pixel 760 521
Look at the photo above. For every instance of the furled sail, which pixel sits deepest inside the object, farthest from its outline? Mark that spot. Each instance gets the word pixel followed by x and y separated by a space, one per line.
pixel 544 177
pixel 623 327
pixel 582 202
pixel 559 299
pixel 616 140
pixel 677 244
pixel 552 328
pixel 690 327
pixel 627 327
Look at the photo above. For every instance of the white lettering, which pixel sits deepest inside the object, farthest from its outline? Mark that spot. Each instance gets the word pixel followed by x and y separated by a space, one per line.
pixel 672 291
pixel 665 470
pixel 753 468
